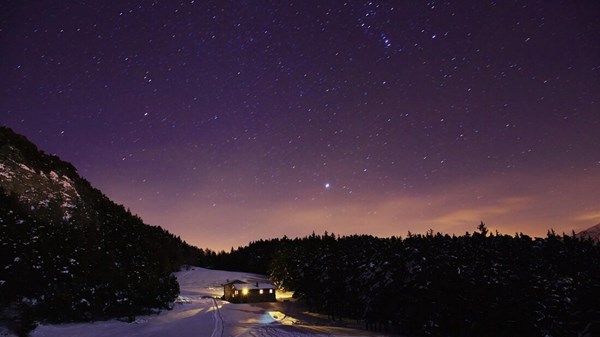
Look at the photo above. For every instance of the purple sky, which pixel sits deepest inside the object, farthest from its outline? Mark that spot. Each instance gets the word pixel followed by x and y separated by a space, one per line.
pixel 224 121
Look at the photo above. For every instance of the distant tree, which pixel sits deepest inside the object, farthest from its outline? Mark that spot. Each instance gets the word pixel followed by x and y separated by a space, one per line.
pixel 482 229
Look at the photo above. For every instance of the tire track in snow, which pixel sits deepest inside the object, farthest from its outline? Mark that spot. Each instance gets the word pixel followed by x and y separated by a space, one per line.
pixel 218 330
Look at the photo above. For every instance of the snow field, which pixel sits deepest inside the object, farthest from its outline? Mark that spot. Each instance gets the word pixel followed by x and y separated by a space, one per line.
pixel 198 312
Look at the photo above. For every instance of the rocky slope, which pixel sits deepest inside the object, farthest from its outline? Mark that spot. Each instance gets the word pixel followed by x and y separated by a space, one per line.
pixel 68 252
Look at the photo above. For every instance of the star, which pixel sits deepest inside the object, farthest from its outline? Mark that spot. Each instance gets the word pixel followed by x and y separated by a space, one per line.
pixel 226 109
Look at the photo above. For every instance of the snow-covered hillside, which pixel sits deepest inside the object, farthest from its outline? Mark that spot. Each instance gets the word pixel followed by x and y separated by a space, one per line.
pixel 39 189
pixel 590 233
pixel 68 253
pixel 199 313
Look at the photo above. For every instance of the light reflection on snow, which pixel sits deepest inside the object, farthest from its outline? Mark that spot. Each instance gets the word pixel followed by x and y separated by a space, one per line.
pixel 196 315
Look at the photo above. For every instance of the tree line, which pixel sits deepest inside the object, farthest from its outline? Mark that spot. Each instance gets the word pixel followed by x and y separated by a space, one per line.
pixel 479 284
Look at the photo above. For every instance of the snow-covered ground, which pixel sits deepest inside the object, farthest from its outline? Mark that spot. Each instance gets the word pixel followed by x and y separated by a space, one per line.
pixel 199 313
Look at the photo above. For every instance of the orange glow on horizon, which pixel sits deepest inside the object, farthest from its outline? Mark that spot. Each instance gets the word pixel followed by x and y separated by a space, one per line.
pixel 504 203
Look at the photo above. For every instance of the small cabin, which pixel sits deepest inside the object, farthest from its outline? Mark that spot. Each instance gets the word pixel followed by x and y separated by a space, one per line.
pixel 245 292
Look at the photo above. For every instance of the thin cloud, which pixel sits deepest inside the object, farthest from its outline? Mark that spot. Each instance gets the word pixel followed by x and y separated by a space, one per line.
pixel 472 215
pixel 504 203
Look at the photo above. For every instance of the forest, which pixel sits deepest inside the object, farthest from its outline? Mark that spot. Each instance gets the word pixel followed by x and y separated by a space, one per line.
pixel 61 270
pixel 477 284
pixel 68 253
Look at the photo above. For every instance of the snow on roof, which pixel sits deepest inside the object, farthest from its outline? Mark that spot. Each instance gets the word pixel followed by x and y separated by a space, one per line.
pixel 234 282
pixel 240 286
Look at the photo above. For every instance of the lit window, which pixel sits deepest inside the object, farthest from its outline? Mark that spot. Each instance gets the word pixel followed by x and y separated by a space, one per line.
pixel 245 291
pixel 236 292
pixel 261 291
pixel 270 291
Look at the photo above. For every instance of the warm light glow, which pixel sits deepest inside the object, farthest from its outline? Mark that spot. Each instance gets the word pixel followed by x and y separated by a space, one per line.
pixel 245 291
pixel 502 207
pixel 261 291
pixel 270 291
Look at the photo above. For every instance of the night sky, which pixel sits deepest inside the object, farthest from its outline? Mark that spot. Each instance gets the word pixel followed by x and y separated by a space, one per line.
pixel 230 121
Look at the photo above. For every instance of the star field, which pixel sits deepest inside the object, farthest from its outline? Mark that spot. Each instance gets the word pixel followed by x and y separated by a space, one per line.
pixel 279 119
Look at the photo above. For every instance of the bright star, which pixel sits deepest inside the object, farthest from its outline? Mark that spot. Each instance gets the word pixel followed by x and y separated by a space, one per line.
pixel 327 185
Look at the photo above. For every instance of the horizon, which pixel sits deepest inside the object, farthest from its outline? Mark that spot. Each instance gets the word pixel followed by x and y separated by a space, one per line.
pixel 402 237
pixel 231 122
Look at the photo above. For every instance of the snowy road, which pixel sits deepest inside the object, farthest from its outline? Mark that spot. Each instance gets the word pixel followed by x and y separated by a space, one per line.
pixel 198 313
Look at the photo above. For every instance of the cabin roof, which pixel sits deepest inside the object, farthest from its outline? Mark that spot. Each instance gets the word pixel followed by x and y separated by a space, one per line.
pixel 239 285
pixel 234 282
